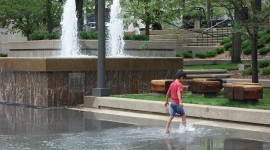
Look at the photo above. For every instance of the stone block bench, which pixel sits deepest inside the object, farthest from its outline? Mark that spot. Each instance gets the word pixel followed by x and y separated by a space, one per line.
pixel 243 91
pixel 208 87
pixel 160 86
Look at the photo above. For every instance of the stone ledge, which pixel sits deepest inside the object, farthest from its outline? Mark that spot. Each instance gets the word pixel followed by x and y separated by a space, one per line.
pixel 253 116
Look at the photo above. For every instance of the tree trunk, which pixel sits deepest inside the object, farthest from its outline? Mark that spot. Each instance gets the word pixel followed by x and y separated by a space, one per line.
pixel 79 9
pixel 96 14
pixel 49 16
pixel 236 51
pixel 209 13
pixel 256 9
pixel 147 26
pixel 254 57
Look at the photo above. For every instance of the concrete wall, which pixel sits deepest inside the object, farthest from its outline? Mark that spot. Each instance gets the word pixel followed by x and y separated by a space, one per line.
pixel 50 48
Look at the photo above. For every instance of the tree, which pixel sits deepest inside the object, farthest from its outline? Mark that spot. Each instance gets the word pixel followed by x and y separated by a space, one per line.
pixel 152 11
pixel 251 18
pixel 79 9
pixel 29 16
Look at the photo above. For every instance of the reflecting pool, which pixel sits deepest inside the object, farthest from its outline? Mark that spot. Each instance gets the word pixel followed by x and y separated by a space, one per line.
pixel 60 128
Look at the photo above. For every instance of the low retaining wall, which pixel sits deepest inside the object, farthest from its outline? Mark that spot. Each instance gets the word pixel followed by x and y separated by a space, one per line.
pixel 192 110
pixel 60 81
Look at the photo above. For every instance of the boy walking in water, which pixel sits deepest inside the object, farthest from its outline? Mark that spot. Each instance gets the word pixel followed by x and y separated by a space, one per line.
pixel 176 105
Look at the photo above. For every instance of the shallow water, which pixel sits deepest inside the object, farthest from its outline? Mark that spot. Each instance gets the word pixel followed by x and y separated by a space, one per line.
pixel 32 128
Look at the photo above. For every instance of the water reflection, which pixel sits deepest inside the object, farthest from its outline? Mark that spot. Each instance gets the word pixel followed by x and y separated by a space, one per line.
pixel 31 128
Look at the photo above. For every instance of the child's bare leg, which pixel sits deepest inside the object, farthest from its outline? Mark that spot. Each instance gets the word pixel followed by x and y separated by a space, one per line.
pixel 184 121
pixel 168 124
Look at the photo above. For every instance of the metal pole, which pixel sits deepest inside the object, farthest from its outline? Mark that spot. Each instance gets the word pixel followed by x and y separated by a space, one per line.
pixel 101 90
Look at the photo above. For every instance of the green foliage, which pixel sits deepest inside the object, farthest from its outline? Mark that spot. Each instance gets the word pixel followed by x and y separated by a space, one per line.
pixel 219 50
pixel 28 16
pixel 247 71
pixel 36 36
pixel 128 37
pixel 264 50
pixel 179 55
pixel 187 55
pixel 51 36
pixel 226 40
pixel 228 46
pixel 263 63
pixel 246 47
pixel 266 71
pixel 201 55
pixel 264 39
pixel 3 55
pixel 140 37
pixel 88 35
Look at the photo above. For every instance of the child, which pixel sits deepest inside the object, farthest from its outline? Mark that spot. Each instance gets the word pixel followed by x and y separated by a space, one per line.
pixel 176 105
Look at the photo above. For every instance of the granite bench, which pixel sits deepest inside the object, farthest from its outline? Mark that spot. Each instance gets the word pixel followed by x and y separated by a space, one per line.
pixel 243 91
pixel 208 87
pixel 160 86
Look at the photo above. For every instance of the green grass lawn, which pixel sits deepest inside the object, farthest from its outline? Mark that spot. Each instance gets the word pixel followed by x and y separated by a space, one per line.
pixel 188 97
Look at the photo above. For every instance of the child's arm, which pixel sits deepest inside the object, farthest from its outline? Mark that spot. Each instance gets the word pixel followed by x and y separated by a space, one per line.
pixel 167 98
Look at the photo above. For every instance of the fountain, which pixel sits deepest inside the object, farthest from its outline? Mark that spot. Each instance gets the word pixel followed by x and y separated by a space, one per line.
pixel 69 41
pixel 116 31
pixel 64 81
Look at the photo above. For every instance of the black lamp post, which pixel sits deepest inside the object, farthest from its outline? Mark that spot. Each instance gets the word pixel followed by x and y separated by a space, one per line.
pixel 100 90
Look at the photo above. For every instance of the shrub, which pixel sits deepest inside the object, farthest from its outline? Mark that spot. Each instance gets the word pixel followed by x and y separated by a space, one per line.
pixel 263 63
pixel 141 37
pixel 263 40
pixel 128 37
pixel 52 36
pixel 264 50
pixel 266 71
pixel 212 53
pixel 246 47
pixel 36 36
pixel 201 55
pixel 88 35
pixel 247 71
pixel 219 50
pixel 226 40
pixel 228 45
pixel 178 55
pixel 187 55
pixel 3 55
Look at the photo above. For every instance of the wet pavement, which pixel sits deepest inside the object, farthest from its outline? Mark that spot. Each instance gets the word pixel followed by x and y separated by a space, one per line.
pixel 63 129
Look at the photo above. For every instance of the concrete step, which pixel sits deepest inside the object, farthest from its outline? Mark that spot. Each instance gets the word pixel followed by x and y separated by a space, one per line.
pixel 189 76
pixel 201 44
pixel 207 71
pixel 194 49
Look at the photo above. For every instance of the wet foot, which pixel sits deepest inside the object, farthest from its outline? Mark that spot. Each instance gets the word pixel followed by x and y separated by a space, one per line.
pixel 166 131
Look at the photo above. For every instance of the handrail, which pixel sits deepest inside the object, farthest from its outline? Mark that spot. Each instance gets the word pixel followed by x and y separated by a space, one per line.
pixel 210 35
pixel 212 27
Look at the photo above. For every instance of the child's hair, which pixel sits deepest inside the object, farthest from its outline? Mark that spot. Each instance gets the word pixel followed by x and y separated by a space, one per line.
pixel 180 73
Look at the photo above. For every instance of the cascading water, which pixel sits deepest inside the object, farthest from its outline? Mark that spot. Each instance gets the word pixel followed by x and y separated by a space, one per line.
pixel 69 41
pixel 116 31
